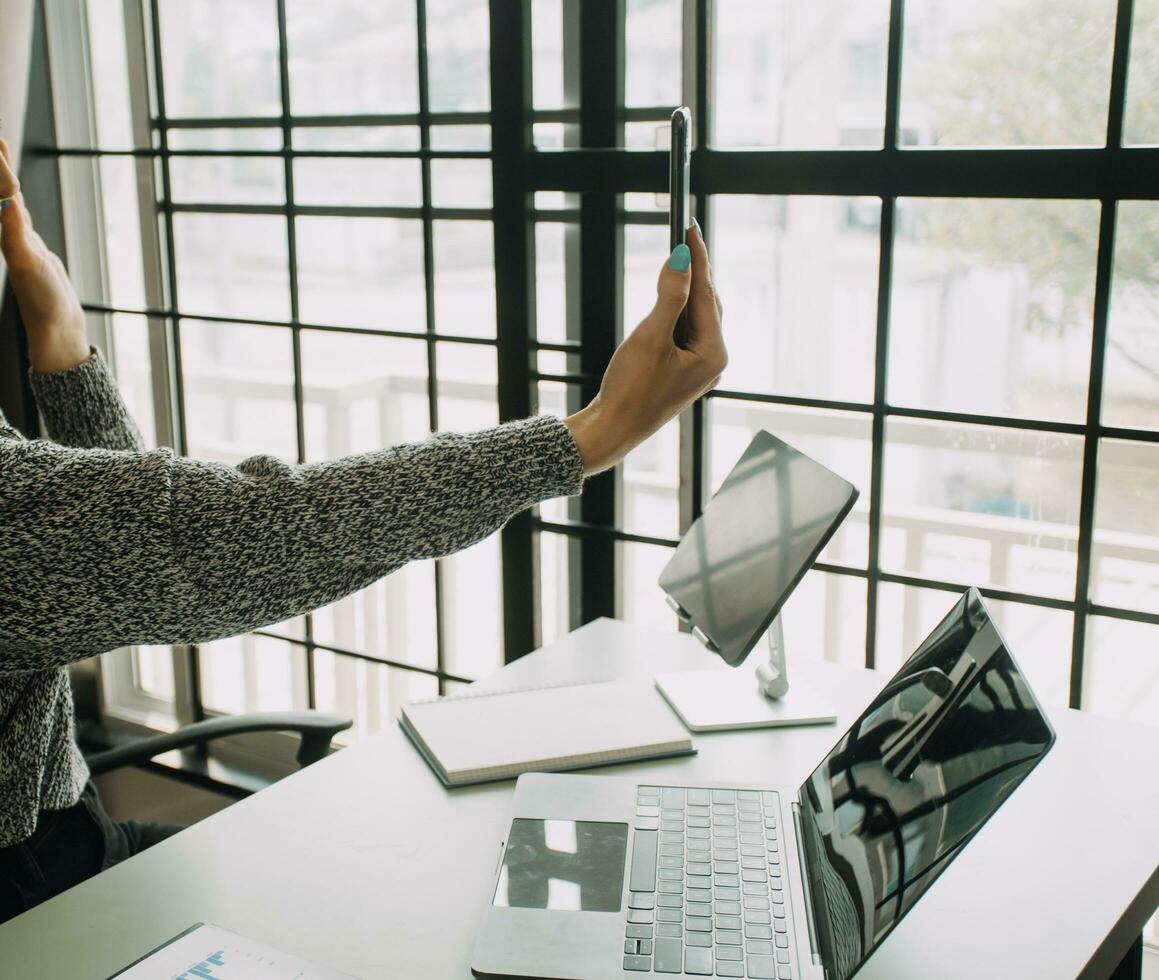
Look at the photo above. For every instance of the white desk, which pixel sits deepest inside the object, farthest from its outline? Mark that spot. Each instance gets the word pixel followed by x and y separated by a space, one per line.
pixel 365 863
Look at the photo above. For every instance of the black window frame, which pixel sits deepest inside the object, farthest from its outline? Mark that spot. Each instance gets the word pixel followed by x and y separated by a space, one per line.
pixel 597 171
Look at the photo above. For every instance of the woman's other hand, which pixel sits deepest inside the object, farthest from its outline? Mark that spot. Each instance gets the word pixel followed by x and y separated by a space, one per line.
pixel 51 313
pixel 649 379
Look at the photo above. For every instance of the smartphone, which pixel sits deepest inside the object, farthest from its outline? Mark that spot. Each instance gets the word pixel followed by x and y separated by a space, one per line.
pixel 679 214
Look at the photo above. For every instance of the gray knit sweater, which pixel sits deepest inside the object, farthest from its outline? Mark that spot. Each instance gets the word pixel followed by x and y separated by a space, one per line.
pixel 103 545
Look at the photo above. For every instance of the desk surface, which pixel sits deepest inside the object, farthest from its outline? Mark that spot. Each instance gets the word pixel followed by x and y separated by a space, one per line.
pixel 365 863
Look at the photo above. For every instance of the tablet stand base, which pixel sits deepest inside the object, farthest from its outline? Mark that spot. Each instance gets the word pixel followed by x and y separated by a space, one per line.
pixel 747 697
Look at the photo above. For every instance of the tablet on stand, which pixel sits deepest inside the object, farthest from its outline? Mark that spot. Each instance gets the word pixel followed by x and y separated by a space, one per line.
pixel 732 573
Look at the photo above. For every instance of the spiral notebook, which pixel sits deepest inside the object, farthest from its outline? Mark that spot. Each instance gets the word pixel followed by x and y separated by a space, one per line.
pixel 480 738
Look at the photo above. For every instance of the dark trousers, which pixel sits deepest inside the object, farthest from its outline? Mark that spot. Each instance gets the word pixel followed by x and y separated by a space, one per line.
pixel 67 847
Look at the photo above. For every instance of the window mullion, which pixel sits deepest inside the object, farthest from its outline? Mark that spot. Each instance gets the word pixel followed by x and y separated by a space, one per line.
pixel 1104 267
pixel 881 343
pixel 602 276
pixel 514 296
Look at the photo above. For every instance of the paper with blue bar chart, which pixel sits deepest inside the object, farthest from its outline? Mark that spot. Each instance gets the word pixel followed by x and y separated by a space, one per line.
pixel 208 952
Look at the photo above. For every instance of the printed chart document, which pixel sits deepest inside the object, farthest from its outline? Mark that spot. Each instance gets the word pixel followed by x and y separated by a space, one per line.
pixel 208 952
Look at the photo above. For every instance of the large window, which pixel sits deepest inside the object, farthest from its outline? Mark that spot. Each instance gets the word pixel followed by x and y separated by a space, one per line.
pixel 328 228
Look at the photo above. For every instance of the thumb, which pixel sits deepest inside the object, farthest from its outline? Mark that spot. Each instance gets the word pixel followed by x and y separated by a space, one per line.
pixel 673 286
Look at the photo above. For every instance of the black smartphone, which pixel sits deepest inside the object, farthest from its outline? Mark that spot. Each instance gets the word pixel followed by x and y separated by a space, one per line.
pixel 679 214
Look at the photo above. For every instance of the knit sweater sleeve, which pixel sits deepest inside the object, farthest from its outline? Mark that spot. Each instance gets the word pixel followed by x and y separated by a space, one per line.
pixel 82 407
pixel 100 549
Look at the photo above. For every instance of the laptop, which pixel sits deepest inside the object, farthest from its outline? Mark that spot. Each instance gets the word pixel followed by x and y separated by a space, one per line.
pixel 607 877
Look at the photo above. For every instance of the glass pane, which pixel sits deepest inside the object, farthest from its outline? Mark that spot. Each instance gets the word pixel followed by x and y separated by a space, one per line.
pixel 393 618
pixel 362 272
pixel 369 693
pixel 652 53
pixel 226 138
pixel 209 71
pixel 1131 389
pixel 153 671
pixel 253 673
pixel 1125 550
pixel 352 57
pixel 473 609
pixel 794 73
pixel 547 54
pixel 362 393
pixel 472 579
pixel 552 362
pixel 238 383
pixel 291 629
pixel 554 245
pixel 1141 122
pixel 380 183
pixel 992 305
pixel 645 252
pixel 110 183
pixel 461 183
pixel 465 278
pixel 840 440
pixel 459 54
pixel 798 277
pixel 356 137
pixel 648 135
pixel 1039 638
pixel 641 600
pixel 649 485
pixel 553 400
pixel 468 387
pixel 635 201
pixel 460 137
pixel 1121 670
pixel 560 400
pixel 554 585
pixel 553 200
pixel 232 265
pixel 134 370
pixel 109 74
pixel 1041 641
pixel 824 619
pixel 120 211
pixel 553 136
pixel 1006 72
pixel 227 180
pixel 981 505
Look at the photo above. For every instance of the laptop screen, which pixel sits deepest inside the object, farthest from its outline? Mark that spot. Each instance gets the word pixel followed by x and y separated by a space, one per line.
pixel 933 756
pixel 757 537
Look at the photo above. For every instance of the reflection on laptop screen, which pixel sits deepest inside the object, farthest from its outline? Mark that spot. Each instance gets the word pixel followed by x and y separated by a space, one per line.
pixel 758 535
pixel 932 757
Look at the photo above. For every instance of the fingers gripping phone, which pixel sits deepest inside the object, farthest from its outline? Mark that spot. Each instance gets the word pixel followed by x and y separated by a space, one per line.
pixel 679 163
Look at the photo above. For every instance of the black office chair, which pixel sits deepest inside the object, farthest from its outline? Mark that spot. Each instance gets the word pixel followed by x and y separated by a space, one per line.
pixel 314 728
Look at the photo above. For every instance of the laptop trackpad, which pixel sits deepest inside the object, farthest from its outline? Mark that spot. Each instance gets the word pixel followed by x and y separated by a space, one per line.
pixel 563 865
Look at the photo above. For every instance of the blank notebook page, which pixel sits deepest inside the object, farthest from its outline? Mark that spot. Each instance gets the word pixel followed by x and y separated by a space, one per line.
pixel 473 738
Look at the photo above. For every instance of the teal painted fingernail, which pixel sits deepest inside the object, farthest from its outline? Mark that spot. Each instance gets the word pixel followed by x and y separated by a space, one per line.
pixel 6 203
pixel 680 259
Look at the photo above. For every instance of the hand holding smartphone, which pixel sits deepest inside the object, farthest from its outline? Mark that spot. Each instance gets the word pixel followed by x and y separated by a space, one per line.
pixel 679 214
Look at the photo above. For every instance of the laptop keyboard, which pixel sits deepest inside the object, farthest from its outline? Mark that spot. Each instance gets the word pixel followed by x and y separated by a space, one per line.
pixel 706 889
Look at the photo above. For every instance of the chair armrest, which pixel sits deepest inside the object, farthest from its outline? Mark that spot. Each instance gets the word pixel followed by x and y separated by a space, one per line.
pixel 315 729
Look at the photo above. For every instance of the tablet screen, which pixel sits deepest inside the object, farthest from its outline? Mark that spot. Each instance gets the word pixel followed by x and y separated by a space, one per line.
pixel 757 537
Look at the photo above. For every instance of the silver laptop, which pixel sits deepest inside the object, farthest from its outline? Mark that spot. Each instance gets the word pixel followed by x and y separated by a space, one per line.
pixel 602 876
pixel 606 877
